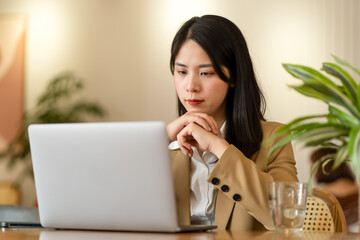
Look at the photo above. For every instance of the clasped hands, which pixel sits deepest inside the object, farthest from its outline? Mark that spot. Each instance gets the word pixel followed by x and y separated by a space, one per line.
pixel 198 130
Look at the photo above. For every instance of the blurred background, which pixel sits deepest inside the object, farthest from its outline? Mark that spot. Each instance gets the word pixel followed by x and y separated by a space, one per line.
pixel 121 48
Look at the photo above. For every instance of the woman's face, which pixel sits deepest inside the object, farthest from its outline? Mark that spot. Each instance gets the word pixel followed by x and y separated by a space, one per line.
pixel 198 86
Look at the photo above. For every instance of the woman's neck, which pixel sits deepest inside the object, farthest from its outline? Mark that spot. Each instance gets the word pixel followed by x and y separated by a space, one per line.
pixel 220 115
pixel 220 122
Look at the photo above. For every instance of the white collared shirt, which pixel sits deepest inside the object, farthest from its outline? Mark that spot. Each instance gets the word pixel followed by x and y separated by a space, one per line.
pixel 203 193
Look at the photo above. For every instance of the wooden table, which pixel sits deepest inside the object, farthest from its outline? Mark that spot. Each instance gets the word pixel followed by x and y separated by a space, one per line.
pixel 46 234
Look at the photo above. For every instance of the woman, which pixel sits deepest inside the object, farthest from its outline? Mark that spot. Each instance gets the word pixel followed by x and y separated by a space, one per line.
pixel 218 159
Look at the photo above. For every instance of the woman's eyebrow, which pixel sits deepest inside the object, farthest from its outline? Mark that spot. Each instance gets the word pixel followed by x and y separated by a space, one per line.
pixel 205 65
pixel 200 66
pixel 180 64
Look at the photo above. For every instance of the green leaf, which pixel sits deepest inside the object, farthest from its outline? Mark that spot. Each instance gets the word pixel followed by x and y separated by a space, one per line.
pixel 81 108
pixel 282 142
pixel 337 98
pixel 329 144
pixel 310 133
pixel 348 82
pixel 340 156
pixel 315 167
pixel 343 117
pixel 306 127
pixel 347 64
pixel 354 150
pixel 308 75
pixel 325 163
pixel 320 162
pixel 318 86
pixel 314 137
pixel 358 96
pixel 63 86
pixel 299 121
pixel 297 125
pixel 312 92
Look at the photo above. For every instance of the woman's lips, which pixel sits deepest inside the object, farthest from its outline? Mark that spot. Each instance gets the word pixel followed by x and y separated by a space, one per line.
pixel 194 102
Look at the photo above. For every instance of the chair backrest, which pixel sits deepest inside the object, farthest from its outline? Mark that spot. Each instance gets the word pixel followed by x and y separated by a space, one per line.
pixel 323 213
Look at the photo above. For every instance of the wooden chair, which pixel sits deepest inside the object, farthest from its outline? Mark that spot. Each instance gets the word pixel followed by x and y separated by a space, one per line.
pixel 323 213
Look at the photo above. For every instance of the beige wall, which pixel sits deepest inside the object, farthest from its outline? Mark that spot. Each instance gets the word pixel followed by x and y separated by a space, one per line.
pixel 356 50
pixel 121 48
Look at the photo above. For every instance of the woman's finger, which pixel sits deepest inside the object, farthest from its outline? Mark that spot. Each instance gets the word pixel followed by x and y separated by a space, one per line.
pixel 183 139
pixel 203 120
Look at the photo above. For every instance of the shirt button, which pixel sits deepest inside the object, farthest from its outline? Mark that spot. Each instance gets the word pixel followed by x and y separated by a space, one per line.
pixel 215 181
pixel 225 188
pixel 237 197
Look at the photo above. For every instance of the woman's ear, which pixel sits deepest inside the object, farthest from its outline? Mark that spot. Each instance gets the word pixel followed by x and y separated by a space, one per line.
pixel 227 74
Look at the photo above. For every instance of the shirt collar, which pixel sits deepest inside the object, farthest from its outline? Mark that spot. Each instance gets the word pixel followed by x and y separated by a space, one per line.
pixel 175 145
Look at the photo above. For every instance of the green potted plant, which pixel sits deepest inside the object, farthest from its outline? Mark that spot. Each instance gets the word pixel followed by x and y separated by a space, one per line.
pixel 339 128
pixel 58 104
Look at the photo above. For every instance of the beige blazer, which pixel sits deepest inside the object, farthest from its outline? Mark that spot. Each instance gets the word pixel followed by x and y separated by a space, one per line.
pixel 244 203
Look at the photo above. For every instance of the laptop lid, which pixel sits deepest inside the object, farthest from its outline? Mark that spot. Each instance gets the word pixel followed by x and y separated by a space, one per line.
pixel 105 176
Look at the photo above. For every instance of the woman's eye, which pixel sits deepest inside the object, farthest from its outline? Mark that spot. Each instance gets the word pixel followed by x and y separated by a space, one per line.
pixel 181 72
pixel 205 73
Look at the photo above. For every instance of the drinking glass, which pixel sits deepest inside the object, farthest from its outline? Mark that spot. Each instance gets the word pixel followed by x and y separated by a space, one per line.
pixel 287 203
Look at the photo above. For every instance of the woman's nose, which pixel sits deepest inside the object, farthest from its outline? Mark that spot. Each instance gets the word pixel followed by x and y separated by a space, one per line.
pixel 192 84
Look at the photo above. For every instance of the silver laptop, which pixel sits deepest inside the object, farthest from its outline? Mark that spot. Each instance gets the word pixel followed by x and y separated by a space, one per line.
pixel 105 176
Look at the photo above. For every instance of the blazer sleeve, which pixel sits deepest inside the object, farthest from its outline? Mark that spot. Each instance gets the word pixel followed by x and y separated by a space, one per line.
pixel 245 180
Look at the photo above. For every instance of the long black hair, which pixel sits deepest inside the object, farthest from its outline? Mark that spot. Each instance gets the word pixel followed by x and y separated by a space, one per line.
pixel 226 47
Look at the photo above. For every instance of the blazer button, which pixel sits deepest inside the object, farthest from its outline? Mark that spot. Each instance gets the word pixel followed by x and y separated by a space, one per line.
pixel 237 197
pixel 225 188
pixel 215 181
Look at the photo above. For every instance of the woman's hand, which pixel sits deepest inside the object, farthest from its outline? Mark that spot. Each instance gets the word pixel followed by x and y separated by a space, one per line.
pixel 202 119
pixel 195 135
pixel 199 130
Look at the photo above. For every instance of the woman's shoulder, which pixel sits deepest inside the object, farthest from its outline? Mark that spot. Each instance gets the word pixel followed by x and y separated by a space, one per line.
pixel 269 127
